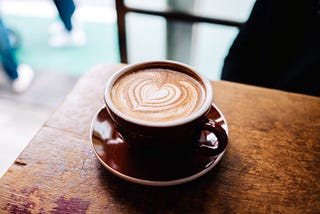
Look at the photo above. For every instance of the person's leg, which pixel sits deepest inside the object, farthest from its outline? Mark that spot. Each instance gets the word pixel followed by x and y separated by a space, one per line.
pixel 65 8
pixel 8 59
pixel 20 75
pixel 71 32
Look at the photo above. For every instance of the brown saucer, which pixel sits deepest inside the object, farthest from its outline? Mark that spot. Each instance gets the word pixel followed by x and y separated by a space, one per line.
pixel 149 169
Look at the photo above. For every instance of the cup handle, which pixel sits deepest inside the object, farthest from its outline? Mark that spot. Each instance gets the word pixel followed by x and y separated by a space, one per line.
pixel 213 147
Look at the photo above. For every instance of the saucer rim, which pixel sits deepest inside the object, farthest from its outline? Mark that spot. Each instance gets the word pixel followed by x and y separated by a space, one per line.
pixel 157 182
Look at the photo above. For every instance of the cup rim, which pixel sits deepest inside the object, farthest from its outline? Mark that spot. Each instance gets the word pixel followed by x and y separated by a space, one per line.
pixel 148 64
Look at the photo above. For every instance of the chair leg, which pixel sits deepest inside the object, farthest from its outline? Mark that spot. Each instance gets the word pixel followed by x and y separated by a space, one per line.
pixel 122 37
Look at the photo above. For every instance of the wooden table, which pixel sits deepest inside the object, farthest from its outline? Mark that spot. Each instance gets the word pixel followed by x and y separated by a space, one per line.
pixel 271 164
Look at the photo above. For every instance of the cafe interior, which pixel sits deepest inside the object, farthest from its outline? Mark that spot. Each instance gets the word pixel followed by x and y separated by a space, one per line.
pixel 99 20
pixel 270 161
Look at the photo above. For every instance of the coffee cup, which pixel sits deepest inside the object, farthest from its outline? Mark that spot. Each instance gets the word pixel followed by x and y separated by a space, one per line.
pixel 163 106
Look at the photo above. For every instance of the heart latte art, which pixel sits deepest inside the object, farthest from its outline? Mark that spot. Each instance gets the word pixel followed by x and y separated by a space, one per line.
pixel 157 95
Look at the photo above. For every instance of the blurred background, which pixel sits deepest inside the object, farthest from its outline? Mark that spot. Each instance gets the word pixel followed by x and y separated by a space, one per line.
pixel 58 69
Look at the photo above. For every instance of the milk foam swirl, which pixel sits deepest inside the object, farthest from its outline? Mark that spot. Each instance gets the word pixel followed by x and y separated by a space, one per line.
pixel 157 95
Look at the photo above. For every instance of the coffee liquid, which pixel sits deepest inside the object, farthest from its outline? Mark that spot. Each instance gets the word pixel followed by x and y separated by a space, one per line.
pixel 158 95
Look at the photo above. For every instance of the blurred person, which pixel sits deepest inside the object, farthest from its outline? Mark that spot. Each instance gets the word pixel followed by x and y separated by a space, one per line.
pixel 278 47
pixel 67 31
pixel 20 75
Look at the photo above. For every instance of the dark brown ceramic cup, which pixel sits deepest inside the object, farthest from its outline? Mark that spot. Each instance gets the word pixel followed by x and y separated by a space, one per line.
pixel 181 134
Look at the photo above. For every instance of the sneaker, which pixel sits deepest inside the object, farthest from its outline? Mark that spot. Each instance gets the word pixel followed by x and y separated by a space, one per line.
pixel 56 28
pixel 75 37
pixel 25 77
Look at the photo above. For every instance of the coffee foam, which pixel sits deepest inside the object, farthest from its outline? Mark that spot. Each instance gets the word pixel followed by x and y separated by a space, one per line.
pixel 157 95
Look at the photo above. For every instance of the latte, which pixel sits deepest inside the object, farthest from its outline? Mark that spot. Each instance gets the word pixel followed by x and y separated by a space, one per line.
pixel 157 94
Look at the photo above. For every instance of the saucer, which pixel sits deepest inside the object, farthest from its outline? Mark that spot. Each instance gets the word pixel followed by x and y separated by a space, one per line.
pixel 153 170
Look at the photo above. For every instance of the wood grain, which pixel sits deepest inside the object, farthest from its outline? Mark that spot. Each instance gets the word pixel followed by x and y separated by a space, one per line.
pixel 271 164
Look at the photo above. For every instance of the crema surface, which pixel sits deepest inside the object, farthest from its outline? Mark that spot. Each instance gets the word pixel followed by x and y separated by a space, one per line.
pixel 157 95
